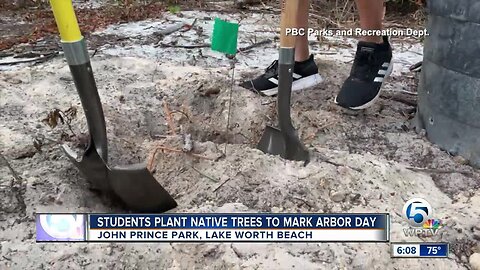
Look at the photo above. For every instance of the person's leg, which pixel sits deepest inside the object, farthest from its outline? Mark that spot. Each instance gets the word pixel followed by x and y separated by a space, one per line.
pixel 305 72
pixel 372 63
pixel 371 16
pixel 302 52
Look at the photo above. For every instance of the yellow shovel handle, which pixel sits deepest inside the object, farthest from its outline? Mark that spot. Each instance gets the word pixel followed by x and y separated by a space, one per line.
pixel 66 20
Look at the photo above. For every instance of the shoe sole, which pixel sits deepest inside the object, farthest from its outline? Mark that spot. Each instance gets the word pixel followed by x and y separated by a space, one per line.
pixel 371 102
pixel 297 85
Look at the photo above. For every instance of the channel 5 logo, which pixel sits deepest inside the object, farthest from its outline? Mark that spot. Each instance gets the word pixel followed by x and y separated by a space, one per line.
pixel 418 213
pixel 60 227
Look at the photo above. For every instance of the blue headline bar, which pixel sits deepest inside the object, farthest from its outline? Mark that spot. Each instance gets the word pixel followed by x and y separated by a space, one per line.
pixel 238 221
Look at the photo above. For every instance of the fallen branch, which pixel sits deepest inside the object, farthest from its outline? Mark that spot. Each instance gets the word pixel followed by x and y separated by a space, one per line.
pixel 211 10
pixel 46 58
pixel 187 27
pixel 328 53
pixel 6 54
pixel 171 29
pixel 303 201
pixel 6 258
pixel 327 160
pixel 257 44
pixel 182 113
pixel 235 250
pixel 150 161
pixel 398 98
pixel 416 67
pixel 221 185
pixel 268 102
pixel 37 60
pixel 439 171
pixel 168 117
pixel 29 54
pixel 192 46
pixel 403 92
pixel 94 53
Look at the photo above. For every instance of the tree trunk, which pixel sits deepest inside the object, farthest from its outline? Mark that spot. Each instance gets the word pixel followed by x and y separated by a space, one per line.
pixel 449 89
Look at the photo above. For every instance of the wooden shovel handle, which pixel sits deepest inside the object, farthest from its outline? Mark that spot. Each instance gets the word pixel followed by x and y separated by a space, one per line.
pixel 288 20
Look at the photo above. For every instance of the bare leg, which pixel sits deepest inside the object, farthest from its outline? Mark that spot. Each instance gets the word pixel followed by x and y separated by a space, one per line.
pixel 371 15
pixel 301 45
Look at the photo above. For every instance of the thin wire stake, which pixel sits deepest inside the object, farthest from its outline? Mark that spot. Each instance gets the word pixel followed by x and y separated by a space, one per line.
pixel 232 65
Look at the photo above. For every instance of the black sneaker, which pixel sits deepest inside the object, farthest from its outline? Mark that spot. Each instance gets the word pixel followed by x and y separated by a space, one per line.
pixel 372 65
pixel 305 74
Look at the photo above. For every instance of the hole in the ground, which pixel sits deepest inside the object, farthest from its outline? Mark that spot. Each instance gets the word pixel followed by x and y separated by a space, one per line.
pixel 208 119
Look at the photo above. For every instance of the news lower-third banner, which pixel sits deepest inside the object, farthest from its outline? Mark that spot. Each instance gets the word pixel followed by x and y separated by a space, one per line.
pixel 228 227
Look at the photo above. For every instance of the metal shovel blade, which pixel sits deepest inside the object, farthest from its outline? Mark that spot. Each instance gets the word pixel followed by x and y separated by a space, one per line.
pixel 276 142
pixel 139 190
pixel 133 184
pixel 294 148
pixel 92 166
pixel 272 142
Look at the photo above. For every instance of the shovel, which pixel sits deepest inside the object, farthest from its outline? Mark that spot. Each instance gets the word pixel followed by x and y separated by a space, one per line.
pixel 284 140
pixel 133 184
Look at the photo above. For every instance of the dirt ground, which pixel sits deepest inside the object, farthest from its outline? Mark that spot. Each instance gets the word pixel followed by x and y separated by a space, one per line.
pixel 371 161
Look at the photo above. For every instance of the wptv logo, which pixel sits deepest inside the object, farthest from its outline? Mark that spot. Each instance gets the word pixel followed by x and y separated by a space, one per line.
pixel 418 213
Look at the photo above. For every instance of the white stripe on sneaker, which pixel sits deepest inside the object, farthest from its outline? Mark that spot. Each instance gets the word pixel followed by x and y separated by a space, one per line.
pixel 273 80
pixel 378 79
pixel 386 64
pixel 382 72
pixel 296 76
pixel 298 85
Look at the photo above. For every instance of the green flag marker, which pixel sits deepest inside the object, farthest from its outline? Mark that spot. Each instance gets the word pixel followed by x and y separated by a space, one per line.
pixel 224 37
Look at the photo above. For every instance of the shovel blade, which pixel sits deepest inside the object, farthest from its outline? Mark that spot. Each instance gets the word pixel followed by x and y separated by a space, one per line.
pixel 295 150
pixel 92 166
pixel 133 184
pixel 276 142
pixel 139 190
pixel 272 142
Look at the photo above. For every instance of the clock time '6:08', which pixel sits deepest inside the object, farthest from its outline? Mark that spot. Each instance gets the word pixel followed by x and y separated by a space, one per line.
pixel 407 250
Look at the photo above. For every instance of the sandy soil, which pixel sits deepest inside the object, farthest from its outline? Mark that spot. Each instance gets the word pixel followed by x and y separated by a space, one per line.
pixel 371 161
